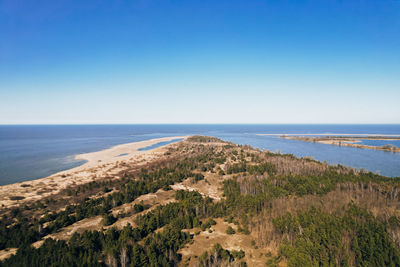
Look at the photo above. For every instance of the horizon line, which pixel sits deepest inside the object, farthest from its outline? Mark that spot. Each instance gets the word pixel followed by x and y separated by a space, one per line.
pixel 190 123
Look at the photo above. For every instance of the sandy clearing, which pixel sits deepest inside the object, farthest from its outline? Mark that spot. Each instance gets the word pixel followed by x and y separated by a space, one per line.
pixel 161 197
pixel 212 189
pixel 205 240
pixel 6 253
pixel 92 223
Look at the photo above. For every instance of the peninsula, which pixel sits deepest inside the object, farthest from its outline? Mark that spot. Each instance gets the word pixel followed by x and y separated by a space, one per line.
pixel 349 141
pixel 201 201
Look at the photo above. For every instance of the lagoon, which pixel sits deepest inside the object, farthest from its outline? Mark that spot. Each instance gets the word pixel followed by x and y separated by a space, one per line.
pixel 30 152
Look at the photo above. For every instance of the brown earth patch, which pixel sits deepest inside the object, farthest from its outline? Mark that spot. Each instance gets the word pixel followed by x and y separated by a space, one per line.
pixel 205 240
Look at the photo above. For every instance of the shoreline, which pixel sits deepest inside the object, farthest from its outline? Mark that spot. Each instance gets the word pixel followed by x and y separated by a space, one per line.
pixel 351 141
pixel 333 135
pixel 98 164
pixel 117 153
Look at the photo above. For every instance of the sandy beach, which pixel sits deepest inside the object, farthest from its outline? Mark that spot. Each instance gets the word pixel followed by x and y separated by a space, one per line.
pixel 99 164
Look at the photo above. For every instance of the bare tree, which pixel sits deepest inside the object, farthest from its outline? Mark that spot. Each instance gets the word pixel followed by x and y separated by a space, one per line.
pixel 124 257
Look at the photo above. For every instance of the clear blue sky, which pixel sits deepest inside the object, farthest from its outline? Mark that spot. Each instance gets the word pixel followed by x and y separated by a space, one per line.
pixel 199 61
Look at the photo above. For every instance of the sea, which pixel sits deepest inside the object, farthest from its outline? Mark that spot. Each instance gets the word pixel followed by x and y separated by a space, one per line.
pixel 29 152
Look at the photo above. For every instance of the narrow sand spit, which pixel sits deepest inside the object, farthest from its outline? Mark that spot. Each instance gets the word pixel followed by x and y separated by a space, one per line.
pixel 348 141
pixel 103 163
pixel 333 134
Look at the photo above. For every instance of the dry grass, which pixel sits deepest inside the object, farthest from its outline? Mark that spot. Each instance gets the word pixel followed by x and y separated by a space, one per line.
pixel 205 240
pixel 6 253
pixel 211 186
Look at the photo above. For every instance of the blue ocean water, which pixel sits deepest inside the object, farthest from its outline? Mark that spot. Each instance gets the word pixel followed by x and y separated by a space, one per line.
pixel 33 151
pixel 159 144
pixel 380 142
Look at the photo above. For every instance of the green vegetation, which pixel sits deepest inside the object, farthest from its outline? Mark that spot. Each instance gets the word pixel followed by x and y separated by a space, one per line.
pixel 25 232
pixel 198 177
pixel 316 238
pixel 122 246
pixel 260 189
pixel 208 224
pixel 218 256
pixel 203 139
pixel 252 169
pixel 19 233
pixel 230 231
pixel 108 219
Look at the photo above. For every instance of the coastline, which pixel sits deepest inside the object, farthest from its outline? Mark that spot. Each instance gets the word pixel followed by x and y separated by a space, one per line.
pixel 98 164
pixel 333 134
pixel 350 141
pixel 117 153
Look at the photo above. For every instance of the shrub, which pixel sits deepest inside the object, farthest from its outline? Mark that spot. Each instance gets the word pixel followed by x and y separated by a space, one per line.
pixel 230 230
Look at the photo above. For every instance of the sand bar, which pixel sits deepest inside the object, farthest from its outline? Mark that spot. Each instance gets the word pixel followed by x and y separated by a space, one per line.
pixel 349 141
pixel 102 163
pixel 117 153
pixel 330 134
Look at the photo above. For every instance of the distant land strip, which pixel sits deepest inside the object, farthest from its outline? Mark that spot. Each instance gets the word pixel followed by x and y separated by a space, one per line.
pixel 349 141
pixel 333 134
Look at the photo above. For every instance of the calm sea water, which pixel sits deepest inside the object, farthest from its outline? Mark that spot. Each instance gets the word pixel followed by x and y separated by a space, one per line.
pixel 29 152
